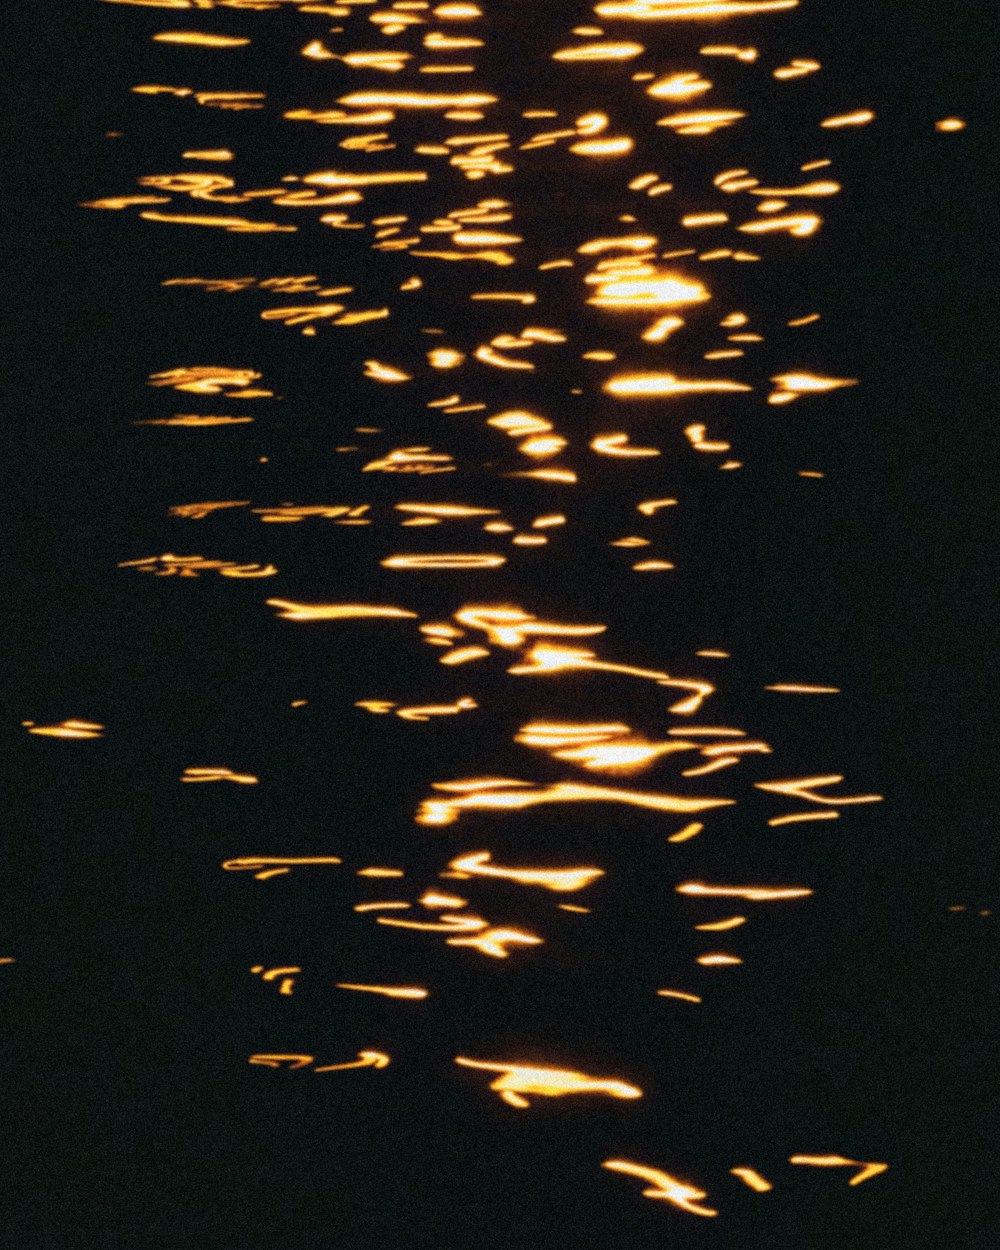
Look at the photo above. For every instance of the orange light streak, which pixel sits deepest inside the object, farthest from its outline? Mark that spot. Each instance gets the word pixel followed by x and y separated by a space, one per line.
pixel 447 924
pixel 433 562
pixel 618 445
pixel 650 291
pixel 799 817
pixel 199 39
pixel 66 729
pixel 271 1061
pixel 721 926
pixel 234 225
pixel 649 506
pixel 662 1185
pixel 494 942
pixel 272 974
pixel 218 774
pixel 265 866
pixel 867 1171
pixel 661 385
pixel 518 1081
pixel 800 225
pixel 603 147
pixel 704 122
pixel 859 118
pixel 688 10
pixel 521 795
pixel 334 611
pixel 389 991
pixel 679 994
pixel 687 833
pixel 752 893
pixel 805 788
pixel 366 1059
pixel 752 1178
pixel 560 880
pixel 789 386
pixel 796 688
pixel 415 100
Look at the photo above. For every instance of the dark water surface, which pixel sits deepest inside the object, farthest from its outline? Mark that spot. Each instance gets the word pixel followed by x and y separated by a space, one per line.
pixel 435 620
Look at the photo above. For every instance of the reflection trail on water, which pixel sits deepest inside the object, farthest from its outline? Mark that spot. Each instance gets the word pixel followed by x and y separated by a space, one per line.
pixel 419 246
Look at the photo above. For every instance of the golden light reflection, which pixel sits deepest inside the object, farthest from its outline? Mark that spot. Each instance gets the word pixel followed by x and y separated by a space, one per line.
pixel 663 1186
pixel 806 787
pixel 494 942
pixel 650 291
pixel 218 774
pixel 752 1178
pixel 334 611
pixel 66 729
pixel 366 1059
pixel 662 385
pixel 387 991
pixel 861 117
pixel 561 880
pixel 866 1170
pixel 519 1082
pixel 752 893
pixel 506 794
pixel 623 51
pixel 789 386
pixel 618 445
pixel 444 562
pixel 286 984
pixel 264 867
pixel 688 10
pixel 200 39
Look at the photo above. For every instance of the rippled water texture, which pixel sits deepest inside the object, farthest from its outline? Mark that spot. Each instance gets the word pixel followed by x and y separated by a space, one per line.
pixel 494 785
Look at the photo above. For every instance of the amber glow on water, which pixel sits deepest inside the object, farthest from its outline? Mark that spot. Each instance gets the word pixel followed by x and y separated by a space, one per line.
pixel 539 291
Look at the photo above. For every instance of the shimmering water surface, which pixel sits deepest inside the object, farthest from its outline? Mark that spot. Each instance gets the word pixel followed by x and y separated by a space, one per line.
pixel 494 776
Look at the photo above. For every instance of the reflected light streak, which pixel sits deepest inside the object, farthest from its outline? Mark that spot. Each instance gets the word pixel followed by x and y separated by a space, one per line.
pixel 519 1081
pixel 265 866
pixel 218 774
pixel 415 100
pixel 199 39
pixel 664 1186
pixel 656 291
pixel 753 1179
pixel 690 10
pixel 806 787
pixel 290 611
pixel 365 1059
pixel 388 991
pixel 752 893
pixel 443 562
pixel 494 942
pixel 560 880
pixel 660 385
pixel 521 795
pixel 867 1170
pixel 66 729
pixel 618 445
pixel 859 118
